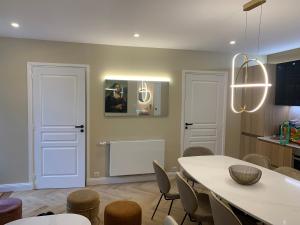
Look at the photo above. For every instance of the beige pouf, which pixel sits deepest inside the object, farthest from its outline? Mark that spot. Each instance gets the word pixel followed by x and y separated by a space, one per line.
pixel 123 213
pixel 84 202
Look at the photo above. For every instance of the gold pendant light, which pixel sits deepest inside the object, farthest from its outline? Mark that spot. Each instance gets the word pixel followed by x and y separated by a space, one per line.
pixel 247 7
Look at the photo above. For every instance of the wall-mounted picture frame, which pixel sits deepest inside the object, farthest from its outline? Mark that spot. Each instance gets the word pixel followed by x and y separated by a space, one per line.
pixel 116 93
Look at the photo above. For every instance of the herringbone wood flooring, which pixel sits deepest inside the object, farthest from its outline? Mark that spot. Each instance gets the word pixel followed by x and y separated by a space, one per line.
pixel 146 194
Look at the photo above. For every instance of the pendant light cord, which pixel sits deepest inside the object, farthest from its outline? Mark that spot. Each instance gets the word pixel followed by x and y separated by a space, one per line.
pixel 259 30
pixel 246 27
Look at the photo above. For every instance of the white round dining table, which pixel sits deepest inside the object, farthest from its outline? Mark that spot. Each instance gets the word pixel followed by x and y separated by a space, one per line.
pixel 59 219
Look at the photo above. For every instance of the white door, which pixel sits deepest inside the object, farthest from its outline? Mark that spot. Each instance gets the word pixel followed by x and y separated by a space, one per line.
pixel 204 110
pixel 59 126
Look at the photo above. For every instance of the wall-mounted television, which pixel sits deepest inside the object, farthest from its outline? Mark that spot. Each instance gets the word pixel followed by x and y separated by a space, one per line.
pixel 288 84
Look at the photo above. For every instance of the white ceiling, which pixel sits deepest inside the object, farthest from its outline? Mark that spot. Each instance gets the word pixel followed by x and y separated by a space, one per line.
pixel 177 24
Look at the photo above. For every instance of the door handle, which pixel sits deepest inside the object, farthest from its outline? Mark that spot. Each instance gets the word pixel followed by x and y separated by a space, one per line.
pixel 80 126
pixel 188 124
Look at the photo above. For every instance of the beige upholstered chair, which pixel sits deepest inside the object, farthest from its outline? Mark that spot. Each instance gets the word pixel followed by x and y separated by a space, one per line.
pixel 290 172
pixel 170 221
pixel 259 160
pixel 164 185
pixel 195 151
pixel 222 213
pixel 196 205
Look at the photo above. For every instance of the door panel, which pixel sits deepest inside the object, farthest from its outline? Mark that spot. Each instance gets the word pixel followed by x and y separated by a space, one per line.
pixel 55 90
pixel 64 158
pixel 58 106
pixel 205 97
pixel 204 94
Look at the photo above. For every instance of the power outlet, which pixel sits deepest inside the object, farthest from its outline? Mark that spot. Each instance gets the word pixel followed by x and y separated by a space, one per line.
pixel 96 174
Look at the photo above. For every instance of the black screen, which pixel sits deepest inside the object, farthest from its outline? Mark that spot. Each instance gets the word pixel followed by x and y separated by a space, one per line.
pixel 288 83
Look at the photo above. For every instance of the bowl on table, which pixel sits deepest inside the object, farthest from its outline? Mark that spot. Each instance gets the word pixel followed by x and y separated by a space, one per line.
pixel 245 175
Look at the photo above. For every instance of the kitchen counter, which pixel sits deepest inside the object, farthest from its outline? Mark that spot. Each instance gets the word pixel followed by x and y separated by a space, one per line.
pixel 275 141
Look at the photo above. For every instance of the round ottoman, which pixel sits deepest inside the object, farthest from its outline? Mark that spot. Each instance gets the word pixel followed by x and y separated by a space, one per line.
pixel 10 210
pixel 123 213
pixel 84 202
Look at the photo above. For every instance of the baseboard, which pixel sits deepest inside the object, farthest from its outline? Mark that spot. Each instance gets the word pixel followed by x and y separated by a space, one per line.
pixel 171 174
pixel 90 181
pixel 121 179
pixel 125 179
pixel 16 187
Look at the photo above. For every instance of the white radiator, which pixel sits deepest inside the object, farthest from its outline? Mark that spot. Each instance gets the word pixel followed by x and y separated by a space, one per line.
pixel 135 157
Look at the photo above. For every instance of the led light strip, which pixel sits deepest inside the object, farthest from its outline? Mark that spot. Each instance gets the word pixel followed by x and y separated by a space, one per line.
pixel 137 78
pixel 250 85
pixel 266 85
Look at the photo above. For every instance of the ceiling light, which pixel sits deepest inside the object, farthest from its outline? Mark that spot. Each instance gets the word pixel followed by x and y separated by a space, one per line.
pixel 232 42
pixel 136 35
pixel 15 25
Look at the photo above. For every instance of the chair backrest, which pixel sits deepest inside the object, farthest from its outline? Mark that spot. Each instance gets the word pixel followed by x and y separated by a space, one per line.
pixel 187 194
pixel 162 178
pixel 259 160
pixel 197 151
pixel 288 171
pixel 222 214
pixel 170 221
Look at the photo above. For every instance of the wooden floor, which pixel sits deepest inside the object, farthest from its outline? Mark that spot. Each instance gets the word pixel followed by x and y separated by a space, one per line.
pixel 146 194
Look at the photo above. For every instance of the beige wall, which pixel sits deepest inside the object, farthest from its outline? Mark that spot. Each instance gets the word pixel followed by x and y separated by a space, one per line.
pixel 284 56
pixel 14 55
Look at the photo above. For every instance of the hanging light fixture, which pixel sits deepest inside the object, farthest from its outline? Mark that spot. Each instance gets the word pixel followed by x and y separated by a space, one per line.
pixel 144 94
pixel 244 67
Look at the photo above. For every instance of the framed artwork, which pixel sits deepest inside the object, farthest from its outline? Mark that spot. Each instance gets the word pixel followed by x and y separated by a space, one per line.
pixel 116 96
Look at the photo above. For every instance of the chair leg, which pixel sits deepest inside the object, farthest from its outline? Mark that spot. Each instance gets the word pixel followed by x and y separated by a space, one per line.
pixel 183 219
pixel 157 206
pixel 170 207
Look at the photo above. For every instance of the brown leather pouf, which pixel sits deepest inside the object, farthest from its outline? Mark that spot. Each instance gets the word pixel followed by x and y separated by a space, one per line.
pixel 10 210
pixel 123 213
pixel 85 202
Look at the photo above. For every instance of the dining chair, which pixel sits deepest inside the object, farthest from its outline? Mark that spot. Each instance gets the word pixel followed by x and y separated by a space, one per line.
pixel 222 213
pixel 259 160
pixel 288 171
pixel 170 221
pixel 164 186
pixel 195 151
pixel 196 205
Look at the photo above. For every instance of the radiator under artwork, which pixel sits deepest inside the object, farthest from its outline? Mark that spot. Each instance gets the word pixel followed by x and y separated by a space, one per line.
pixel 135 157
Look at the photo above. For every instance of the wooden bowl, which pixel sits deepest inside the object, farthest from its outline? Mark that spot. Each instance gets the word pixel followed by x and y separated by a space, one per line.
pixel 245 175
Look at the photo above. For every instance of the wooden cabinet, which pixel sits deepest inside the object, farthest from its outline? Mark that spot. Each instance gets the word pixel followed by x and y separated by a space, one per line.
pixel 264 122
pixel 248 145
pixel 278 154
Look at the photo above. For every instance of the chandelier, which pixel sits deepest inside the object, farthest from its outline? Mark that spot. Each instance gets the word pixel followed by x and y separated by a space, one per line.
pixel 244 68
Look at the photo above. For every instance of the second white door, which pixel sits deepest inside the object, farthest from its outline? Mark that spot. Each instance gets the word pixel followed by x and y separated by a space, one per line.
pixel 59 126
pixel 204 110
